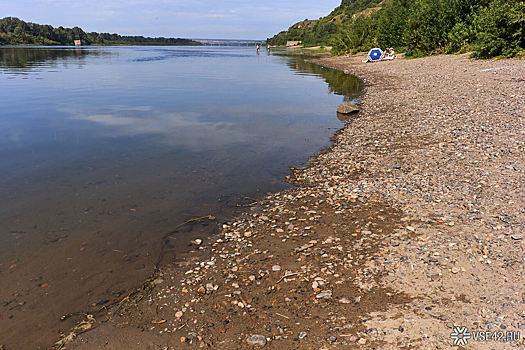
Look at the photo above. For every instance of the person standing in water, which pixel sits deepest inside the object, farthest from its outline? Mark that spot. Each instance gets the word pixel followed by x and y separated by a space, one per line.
pixel 258 48
pixel 268 47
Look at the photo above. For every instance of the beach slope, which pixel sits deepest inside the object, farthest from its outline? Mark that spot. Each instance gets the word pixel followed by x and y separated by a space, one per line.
pixel 409 226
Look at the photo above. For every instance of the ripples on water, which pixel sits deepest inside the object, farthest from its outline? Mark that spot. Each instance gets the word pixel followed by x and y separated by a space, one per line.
pixel 105 149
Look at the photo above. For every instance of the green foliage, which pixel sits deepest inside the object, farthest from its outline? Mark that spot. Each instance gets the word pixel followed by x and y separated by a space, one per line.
pixel 14 31
pixel 459 38
pixel 356 36
pixel 489 28
pixel 499 29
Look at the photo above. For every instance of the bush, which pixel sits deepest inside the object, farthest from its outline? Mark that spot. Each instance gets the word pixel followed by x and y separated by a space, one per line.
pixel 499 29
pixel 459 39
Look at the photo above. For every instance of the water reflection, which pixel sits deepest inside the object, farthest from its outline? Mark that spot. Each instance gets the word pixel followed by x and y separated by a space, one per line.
pixel 345 85
pixel 34 57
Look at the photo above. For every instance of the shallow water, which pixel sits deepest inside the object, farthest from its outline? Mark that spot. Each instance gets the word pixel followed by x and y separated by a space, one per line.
pixel 103 150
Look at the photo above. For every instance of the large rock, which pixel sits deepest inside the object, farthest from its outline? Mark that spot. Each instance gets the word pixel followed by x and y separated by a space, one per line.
pixel 347 108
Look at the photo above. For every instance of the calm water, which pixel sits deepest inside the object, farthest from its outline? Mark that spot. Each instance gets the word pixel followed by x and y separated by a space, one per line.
pixel 105 149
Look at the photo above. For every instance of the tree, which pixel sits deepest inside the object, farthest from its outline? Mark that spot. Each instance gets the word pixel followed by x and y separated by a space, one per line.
pixel 499 29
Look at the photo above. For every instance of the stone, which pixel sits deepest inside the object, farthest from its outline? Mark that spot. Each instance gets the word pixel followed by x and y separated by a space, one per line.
pixel 256 340
pixel 324 294
pixel 517 236
pixel 179 314
pixel 361 341
pixel 347 108
pixel 302 335
pixel 437 315
pixel 276 268
pixel 201 290
pixel 455 270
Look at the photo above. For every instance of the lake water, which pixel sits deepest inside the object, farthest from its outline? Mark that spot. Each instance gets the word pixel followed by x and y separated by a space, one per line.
pixel 103 150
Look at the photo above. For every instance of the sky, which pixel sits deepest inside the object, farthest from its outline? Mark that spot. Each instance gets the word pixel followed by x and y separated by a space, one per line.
pixel 194 19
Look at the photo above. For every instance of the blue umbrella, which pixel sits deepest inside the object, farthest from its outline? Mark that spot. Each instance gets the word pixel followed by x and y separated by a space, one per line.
pixel 375 55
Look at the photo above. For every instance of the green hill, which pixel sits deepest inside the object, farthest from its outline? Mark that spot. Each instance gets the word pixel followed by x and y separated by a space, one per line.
pixel 488 28
pixel 14 31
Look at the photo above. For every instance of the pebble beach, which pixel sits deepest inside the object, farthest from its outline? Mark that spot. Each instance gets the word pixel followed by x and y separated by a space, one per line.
pixel 410 227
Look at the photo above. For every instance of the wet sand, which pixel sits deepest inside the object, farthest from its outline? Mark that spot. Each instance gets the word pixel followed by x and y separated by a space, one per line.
pixel 411 224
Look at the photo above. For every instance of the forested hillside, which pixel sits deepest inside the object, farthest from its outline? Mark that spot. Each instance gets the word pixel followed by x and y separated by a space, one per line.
pixel 14 31
pixel 488 28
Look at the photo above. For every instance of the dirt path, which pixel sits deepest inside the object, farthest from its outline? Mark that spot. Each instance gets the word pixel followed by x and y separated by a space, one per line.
pixel 410 227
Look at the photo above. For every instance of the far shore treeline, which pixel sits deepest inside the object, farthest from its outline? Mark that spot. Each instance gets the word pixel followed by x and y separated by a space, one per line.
pixel 487 28
pixel 14 31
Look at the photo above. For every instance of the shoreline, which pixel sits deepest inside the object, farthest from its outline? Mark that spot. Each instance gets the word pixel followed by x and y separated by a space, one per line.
pixel 410 225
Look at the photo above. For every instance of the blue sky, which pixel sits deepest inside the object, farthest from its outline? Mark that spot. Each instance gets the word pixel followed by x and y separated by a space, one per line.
pixel 210 19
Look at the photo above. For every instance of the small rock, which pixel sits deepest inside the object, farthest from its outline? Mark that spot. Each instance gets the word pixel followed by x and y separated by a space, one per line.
pixel 332 339
pixel 179 314
pixel 256 340
pixel 344 301
pixel 222 329
pixel 324 294
pixel 302 335
pixel 183 339
pixel 517 236
pixel 455 270
pixel 361 341
pixel 372 332
pixel 198 241
pixel 201 290
pixel 437 315
pixel 276 268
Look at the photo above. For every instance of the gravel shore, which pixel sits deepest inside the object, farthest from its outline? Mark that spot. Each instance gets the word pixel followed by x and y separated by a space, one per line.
pixel 410 227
